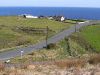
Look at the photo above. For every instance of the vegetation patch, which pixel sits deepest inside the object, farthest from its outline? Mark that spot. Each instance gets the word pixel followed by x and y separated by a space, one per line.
pixel 79 39
pixel 33 31
pixel 92 36
pixel 79 63
pixel 17 31
pixel 56 51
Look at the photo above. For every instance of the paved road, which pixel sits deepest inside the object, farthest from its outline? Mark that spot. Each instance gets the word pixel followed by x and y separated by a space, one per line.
pixel 54 39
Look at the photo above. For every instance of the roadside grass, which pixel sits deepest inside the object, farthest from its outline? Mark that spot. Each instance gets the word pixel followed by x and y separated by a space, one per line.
pixel 94 59
pixel 11 38
pixel 92 36
pixel 61 67
pixel 68 63
pixel 59 52
pixel 70 21
pixel 76 45
pixel 59 56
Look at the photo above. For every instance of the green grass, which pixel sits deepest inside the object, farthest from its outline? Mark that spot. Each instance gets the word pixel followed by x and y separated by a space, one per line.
pixel 92 35
pixel 9 37
pixel 78 42
pixel 70 21
pixel 37 23
pixel 58 53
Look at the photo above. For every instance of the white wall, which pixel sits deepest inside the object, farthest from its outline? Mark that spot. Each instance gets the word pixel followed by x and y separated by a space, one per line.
pixel 29 16
pixel 62 18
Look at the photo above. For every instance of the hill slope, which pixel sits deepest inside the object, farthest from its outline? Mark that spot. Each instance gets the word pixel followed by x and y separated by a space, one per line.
pixel 11 34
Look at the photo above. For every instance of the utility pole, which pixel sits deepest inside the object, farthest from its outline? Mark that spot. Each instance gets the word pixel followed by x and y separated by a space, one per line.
pixel 75 27
pixel 47 36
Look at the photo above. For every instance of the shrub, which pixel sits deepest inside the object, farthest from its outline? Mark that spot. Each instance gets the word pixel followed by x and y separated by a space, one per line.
pixel 51 46
pixel 2 66
pixel 94 59
pixel 78 63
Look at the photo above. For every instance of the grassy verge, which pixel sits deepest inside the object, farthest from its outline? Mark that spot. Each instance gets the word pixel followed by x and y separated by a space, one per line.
pixel 58 52
pixel 75 46
pixel 92 35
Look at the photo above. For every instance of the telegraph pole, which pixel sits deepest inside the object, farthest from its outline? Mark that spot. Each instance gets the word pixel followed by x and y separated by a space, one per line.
pixel 47 36
pixel 75 27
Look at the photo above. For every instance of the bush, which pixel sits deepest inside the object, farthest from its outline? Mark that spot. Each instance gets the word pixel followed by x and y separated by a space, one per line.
pixel 2 66
pixel 94 59
pixel 51 46
pixel 79 63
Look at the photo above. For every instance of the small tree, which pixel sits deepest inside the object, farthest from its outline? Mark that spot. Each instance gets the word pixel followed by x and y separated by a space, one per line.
pixel 51 46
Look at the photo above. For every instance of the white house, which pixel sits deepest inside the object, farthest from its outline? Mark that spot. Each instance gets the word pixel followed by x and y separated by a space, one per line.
pixel 59 18
pixel 62 18
pixel 29 16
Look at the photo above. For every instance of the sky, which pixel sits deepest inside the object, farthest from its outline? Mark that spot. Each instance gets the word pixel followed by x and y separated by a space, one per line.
pixel 51 3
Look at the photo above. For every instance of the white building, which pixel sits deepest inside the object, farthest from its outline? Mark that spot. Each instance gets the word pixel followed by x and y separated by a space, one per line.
pixel 29 16
pixel 62 18
pixel 50 17
pixel 59 18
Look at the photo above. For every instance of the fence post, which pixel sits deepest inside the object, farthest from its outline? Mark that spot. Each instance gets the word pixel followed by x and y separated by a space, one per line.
pixel 47 36
pixel 75 27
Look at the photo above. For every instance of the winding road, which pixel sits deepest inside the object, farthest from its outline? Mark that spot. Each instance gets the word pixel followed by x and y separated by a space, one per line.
pixel 56 38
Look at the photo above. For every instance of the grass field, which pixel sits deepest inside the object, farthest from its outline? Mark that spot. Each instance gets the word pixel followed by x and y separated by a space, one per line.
pixel 78 44
pixel 9 37
pixel 88 35
pixel 37 23
pixel 92 36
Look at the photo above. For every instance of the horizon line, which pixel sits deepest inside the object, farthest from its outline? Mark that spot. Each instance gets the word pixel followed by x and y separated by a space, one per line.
pixel 51 6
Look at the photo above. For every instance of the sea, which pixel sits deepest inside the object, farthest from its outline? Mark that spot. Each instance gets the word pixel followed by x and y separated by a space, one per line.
pixel 68 12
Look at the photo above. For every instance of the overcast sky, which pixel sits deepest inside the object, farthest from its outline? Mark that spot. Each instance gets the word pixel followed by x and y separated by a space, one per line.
pixel 51 3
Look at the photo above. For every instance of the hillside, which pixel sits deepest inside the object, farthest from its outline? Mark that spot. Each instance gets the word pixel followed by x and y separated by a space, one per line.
pixel 88 38
pixel 76 45
pixel 76 54
pixel 92 36
pixel 16 31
